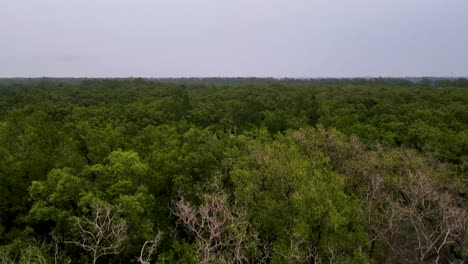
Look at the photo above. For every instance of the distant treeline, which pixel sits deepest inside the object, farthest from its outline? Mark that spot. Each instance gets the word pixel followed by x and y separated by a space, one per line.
pixel 409 81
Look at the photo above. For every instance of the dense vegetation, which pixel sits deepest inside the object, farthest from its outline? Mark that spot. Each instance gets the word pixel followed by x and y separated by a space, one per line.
pixel 233 171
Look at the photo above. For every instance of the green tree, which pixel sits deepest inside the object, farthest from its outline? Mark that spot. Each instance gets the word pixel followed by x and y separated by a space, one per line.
pixel 298 204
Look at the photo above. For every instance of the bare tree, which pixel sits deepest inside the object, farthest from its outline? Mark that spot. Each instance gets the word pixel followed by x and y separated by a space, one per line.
pixel 266 251
pixel 218 231
pixel 380 213
pixel 148 249
pixel 436 221
pixel 104 233
pixel 59 254
pixel 29 253
pixel 416 220
pixel 300 250
pixel 33 255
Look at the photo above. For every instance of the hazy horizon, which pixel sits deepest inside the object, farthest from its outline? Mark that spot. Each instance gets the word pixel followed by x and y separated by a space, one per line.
pixel 208 38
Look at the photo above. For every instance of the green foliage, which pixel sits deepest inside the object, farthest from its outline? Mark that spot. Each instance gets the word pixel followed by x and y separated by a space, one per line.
pixel 180 253
pixel 295 199
pixel 311 170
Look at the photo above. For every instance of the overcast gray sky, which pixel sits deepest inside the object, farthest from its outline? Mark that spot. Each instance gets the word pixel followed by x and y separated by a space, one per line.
pixel 186 38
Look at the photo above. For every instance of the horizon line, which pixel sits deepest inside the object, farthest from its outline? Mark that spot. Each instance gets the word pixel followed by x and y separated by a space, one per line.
pixel 234 77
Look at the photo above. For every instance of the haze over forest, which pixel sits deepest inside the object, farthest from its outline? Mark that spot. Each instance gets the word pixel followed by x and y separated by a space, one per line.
pixel 234 132
pixel 208 38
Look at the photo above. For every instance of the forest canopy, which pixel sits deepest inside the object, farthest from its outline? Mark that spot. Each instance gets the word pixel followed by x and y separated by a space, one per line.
pixel 233 170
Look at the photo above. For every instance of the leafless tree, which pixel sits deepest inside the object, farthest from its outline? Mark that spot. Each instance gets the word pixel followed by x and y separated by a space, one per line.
pixel 380 214
pixel 33 255
pixel 332 254
pixel 27 254
pixel 104 233
pixel 219 232
pixel 416 220
pixel 148 249
pixel 436 221
pixel 299 250
pixel 59 254
pixel 266 251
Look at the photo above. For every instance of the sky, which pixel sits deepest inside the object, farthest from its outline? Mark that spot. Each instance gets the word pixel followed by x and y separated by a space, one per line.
pixel 233 38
